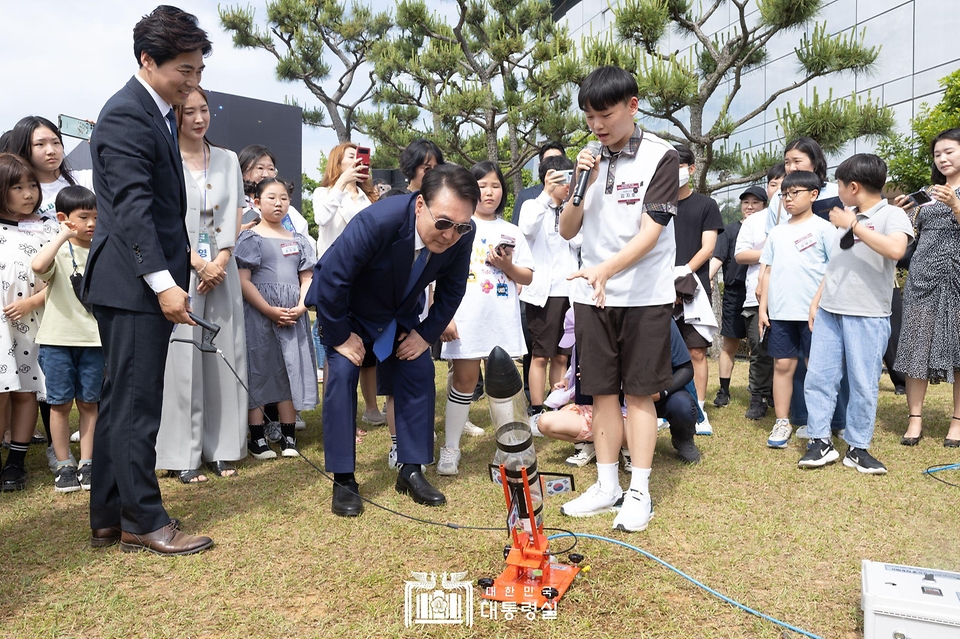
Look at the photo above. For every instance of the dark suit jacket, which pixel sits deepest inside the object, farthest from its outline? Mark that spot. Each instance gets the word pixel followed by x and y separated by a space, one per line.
pixel 359 282
pixel 529 193
pixel 141 204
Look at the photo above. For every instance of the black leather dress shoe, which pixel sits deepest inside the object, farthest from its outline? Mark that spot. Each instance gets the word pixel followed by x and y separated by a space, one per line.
pixel 346 500
pixel 420 489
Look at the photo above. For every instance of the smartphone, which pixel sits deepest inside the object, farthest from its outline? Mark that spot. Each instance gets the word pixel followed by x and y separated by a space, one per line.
pixel 75 127
pixel 920 198
pixel 506 242
pixel 363 154
pixel 567 176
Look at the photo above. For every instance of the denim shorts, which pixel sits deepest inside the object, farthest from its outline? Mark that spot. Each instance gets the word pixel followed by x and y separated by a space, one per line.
pixel 72 372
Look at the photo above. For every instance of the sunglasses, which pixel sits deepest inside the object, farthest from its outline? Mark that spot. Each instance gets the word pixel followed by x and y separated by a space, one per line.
pixel 443 223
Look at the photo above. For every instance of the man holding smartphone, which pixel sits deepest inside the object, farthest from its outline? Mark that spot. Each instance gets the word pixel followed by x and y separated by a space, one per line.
pixel 546 297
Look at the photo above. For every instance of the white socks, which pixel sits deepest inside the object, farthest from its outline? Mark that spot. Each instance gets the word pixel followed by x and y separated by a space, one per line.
pixel 458 410
pixel 608 477
pixel 640 480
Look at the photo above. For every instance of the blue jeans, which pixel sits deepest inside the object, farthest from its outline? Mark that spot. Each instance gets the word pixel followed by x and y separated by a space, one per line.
pixel 798 407
pixel 72 372
pixel 851 343
pixel 321 353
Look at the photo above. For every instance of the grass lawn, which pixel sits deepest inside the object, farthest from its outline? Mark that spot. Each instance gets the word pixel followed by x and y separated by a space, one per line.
pixel 745 521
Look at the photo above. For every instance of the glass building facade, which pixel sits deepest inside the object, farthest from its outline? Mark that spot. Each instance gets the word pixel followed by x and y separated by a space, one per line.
pixel 914 37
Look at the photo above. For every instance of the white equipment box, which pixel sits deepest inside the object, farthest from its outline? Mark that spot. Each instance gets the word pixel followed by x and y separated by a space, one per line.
pixel 906 602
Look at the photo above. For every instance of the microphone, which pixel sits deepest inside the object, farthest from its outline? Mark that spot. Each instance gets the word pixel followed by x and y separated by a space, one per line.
pixel 581 189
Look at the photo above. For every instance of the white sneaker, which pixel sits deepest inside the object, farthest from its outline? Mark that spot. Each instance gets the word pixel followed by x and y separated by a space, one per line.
pixel 662 424
pixel 449 458
pixel 627 464
pixel 704 427
pixel 374 417
pixel 75 437
pixel 635 514
pixel 584 453
pixel 473 430
pixel 780 435
pixel 534 419
pixel 802 433
pixel 392 457
pixel 593 502
pixel 319 375
pixel 298 423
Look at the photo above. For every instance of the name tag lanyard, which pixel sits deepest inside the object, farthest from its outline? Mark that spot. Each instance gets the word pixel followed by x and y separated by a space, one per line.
pixel 203 243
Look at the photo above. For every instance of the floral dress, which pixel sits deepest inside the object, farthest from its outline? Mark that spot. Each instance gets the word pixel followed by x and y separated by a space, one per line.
pixel 930 335
pixel 19 244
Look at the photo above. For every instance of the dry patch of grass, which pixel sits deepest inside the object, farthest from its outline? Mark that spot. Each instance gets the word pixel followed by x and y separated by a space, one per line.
pixel 746 522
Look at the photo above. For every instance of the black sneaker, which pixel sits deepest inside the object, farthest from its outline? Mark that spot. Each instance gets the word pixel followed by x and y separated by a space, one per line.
pixel 820 452
pixel 687 451
pixel 758 408
pixel 722 398
pixel 260 449
pixel 84 473
pixel 288 446
pixel 65 480
pixel 864 462
pixel 13 478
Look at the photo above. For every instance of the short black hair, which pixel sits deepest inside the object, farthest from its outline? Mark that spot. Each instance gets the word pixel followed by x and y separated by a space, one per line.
pixel 394 191
pixel 555 163
pixel 811 148
pixel 416 153
pixel 550 146
pixel 250 154
pixel 454 177
pixel 75 198
pixel 802 179
pixel 166 33
pixel 686 155
pixel 936 177
pixel 776 172
pixel 866 169
pixel 486 167
pixel 265 182
pixel 607 87
pixel 14 169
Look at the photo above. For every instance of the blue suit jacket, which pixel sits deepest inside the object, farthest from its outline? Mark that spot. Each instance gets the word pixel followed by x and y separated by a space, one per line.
pixel 358 284
pixel 141 204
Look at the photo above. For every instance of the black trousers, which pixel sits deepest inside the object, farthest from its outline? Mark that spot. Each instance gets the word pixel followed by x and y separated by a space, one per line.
pixel 896 319
pixel 124 487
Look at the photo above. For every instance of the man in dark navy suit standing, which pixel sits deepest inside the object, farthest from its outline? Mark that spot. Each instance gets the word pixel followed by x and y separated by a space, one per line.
pixel 368 291
pixel 136 278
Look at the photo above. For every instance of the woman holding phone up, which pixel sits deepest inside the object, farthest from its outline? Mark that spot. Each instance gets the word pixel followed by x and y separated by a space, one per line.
pixel 929 349
pixel 345 190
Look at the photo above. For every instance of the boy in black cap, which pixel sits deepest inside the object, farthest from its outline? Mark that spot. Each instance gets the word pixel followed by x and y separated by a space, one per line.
pixel 732 325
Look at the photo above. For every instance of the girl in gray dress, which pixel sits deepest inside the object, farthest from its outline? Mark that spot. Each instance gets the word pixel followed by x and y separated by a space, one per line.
pixel 276 268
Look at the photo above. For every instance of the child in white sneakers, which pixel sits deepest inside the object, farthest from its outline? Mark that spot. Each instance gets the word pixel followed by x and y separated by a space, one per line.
pixel 796 254
pixel 850 314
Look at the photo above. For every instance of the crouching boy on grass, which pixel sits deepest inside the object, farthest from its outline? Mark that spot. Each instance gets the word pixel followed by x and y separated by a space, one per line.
pixel 623 296
pixel 850 314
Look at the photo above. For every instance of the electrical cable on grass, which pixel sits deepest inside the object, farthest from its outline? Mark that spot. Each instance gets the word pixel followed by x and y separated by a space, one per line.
pixel 936 469
pixel 692 580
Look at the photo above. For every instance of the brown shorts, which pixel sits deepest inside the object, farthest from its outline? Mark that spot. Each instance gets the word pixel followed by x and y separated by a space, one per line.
pixel 628 347
pixel 691 337
pixel 546 327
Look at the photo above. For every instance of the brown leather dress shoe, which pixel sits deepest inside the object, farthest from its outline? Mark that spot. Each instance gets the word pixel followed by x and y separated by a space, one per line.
pixel 104 537
pixel 165 541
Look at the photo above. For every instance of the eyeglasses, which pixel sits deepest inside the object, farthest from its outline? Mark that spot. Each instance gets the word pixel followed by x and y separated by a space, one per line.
pixel 444 224
pixel 792 193
pixel 269 171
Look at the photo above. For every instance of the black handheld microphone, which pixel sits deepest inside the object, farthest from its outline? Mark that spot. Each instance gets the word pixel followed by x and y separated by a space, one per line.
pixel 581 189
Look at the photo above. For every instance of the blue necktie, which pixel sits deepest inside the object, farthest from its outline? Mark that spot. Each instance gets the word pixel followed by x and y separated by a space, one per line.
pixel 383 345
pixel 172 119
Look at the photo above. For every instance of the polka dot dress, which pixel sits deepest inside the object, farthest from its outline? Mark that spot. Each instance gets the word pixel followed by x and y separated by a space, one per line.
pixel 19 370
pixel 930 336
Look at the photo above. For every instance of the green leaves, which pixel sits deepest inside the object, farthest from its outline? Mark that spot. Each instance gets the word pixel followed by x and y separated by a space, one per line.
pixel 787 14
pixel 821 54
pixel 833 123
pixel 643 21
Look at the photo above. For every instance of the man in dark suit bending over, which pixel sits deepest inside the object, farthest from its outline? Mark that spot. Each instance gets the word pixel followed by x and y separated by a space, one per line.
pixel 136 278
pixel 368 291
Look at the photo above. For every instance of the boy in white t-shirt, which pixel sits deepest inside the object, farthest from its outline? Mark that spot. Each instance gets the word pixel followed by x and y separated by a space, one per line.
pixel 796 254
pixel 850 314
pixel 623 296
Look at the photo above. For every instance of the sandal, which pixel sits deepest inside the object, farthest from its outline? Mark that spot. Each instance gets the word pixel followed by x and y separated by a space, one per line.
pixel 911 441
pixel 190 476
pixel 952 443
pixel 222 469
